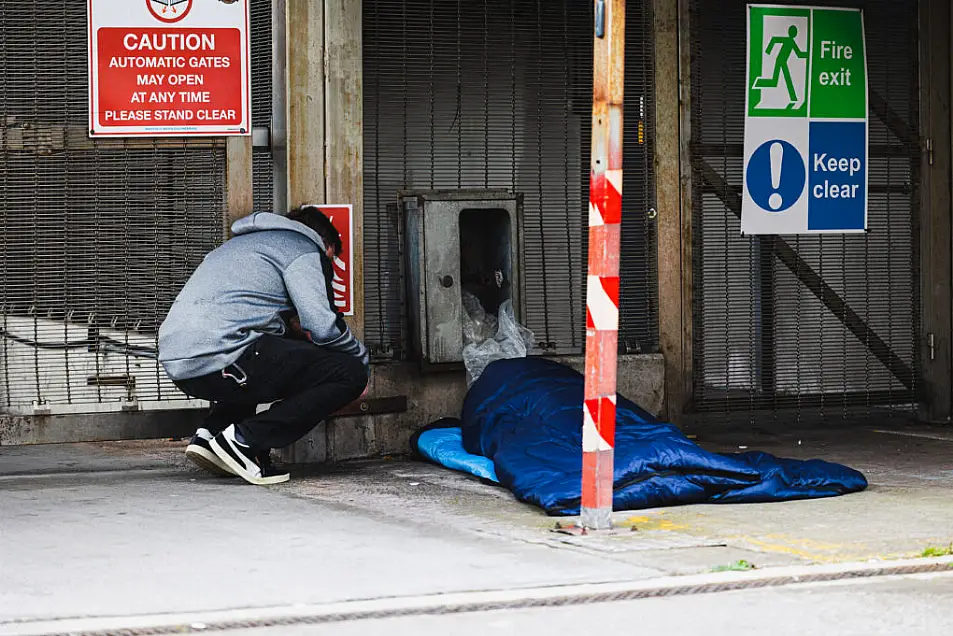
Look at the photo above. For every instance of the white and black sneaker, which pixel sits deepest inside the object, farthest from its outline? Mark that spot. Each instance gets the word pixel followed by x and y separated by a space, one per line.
pixel 201 454
pixel 243 460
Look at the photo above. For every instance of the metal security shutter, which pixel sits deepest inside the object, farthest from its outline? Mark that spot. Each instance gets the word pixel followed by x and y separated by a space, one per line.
pixel 791 324
pixel 261 56
pixel 498 94
pixel 96 238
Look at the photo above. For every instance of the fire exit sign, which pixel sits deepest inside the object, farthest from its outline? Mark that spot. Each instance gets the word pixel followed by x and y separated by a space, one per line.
pixel 806 128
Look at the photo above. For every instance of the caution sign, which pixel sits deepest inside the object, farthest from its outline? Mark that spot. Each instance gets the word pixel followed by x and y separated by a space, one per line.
pixel 168 67
pixel 806 133
pixel 341 216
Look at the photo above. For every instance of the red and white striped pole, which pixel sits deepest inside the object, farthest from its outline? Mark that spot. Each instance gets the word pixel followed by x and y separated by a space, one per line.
pixel 602 296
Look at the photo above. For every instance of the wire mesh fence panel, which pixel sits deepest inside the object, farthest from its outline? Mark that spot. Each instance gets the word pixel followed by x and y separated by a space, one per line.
pixel 464 94
pixel 96 237
pixel 815 327
pixel 261 93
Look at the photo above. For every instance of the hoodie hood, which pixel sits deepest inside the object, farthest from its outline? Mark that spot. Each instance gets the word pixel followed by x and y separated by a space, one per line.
pixel 243 289
pixel 264 221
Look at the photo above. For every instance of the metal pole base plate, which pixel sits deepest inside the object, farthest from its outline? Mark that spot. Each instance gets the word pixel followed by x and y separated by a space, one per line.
pixel 577 530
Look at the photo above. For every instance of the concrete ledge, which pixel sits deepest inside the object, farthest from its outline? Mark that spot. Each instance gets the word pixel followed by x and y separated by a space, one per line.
pixel 19 430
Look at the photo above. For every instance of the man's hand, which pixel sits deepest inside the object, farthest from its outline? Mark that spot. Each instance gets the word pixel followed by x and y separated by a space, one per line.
pixel 295 332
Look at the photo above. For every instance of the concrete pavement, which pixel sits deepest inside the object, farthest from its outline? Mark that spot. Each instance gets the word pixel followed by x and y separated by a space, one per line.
pixel 156 541
pixel 131 530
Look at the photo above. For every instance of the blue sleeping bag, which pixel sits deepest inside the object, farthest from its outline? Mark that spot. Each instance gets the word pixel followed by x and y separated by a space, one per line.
pixel 521 426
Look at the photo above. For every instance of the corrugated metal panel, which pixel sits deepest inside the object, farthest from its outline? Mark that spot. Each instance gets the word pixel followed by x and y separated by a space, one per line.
pixel 261 56
pixel 498 94
pixel 763 339
pixel 95 237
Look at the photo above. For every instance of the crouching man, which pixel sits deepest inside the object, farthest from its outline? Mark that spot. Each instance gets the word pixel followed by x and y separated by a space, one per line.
pixel 228 339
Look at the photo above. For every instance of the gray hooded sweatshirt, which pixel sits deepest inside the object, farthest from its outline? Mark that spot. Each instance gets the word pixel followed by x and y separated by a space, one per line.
pixel 272 266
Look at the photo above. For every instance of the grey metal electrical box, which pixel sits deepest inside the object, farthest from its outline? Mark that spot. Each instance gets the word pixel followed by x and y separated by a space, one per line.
pixel 454 241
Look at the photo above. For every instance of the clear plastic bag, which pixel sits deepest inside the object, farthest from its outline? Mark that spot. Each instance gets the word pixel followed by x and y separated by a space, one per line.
pixel 488 338
pixel 477 324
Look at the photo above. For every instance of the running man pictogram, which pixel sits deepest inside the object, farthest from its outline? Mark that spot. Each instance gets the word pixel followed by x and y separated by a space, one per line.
pixel 788 48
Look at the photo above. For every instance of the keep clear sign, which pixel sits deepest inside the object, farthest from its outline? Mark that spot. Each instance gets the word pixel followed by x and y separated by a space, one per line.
pixel 805 167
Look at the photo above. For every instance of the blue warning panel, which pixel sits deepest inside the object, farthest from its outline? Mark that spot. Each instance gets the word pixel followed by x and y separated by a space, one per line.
pixel 776 176
pixel 837 184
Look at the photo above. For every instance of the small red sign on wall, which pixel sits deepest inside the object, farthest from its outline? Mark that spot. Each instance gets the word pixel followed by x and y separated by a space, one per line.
pixel 343 284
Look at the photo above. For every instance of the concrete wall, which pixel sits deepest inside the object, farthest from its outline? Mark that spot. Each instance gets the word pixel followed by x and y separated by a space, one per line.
pixel 430 397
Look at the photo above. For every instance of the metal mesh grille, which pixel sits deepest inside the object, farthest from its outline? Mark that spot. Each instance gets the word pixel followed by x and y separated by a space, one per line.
pixel 498 94
pixel 261 55
pixel 821 323
pixel 95 237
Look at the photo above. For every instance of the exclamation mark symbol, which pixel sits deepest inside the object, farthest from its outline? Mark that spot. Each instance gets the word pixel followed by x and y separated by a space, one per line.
pixel 777 158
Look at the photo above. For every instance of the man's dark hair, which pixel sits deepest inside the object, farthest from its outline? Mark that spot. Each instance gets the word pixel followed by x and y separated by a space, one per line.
pixel 312 216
